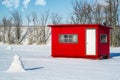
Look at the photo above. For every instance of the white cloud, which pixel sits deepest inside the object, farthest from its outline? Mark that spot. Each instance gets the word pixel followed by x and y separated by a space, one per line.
pixel 40 2
pixel 16 3
pixel 25 3
pixel 11 3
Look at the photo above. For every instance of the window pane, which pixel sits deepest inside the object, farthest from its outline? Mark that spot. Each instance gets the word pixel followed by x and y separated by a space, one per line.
pixel 61 38
pixel 65 36
pixel 75 38
pixel 68 38
pixel 103 38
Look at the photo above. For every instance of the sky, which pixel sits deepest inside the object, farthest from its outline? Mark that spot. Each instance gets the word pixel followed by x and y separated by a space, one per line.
pixel 27 7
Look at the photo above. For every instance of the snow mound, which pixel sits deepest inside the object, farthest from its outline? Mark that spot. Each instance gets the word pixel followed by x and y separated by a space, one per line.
pixel 16 65
pixel 9 48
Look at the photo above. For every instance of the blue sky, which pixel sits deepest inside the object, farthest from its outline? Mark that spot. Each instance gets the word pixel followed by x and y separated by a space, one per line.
pixel 26 7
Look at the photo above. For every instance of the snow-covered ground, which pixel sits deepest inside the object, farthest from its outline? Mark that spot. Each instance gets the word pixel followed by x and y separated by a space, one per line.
pixel 39 65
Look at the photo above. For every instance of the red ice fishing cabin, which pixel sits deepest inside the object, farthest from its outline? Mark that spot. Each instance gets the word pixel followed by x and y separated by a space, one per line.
pixel 80 41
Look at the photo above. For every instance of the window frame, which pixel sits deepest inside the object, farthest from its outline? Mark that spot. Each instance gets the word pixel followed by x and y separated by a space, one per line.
pixel 105 41
pixel 68 38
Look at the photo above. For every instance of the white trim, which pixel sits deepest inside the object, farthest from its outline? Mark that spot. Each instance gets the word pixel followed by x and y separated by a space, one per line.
pixel 90 41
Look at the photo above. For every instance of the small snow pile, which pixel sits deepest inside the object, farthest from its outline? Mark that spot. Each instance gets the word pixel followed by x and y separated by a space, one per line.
pixel 16 65
pixel 9 48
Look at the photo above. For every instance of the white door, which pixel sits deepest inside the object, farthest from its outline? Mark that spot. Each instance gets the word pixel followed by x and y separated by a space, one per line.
pixel 90 42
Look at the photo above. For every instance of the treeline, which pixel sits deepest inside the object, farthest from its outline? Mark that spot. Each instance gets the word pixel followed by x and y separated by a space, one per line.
pixel 107 12
pixel 12 30
pixel 83 12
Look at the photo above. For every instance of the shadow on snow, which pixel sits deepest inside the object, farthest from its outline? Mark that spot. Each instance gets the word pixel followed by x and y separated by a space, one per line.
pixel 36 68
pixel 114 55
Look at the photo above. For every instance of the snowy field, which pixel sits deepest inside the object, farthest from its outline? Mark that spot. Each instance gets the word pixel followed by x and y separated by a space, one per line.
pixel 39 65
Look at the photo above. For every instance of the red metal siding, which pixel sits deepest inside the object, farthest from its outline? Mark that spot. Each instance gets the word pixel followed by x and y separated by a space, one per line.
pixel 104 47
pixel 68 49
pixel 78 49
pixel 71 49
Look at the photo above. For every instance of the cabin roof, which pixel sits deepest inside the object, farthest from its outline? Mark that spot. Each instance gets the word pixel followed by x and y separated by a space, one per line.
pixel 80 25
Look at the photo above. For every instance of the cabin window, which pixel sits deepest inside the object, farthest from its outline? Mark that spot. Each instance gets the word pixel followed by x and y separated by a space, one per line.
pixel 68 38
pixel 103 38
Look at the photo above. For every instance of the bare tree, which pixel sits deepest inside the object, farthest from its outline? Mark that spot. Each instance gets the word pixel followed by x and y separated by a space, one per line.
pixel 17 20
pixel 82 13
pixel 98 13
pixel 40 33
pixel 44 30
pixel 9 22
pixel 113 7
pixel 4 20
pixel 35 23
pixel 28 20
pixel 6 23
pixel 76 17
pixel 56 19
pixel 0 31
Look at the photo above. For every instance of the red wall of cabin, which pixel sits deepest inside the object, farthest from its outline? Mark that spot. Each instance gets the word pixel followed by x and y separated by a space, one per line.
pixel 104 47
pixel 72 49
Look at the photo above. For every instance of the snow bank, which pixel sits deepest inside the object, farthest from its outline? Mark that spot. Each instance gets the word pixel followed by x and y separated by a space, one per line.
pixel 16 65
pixel 40 65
